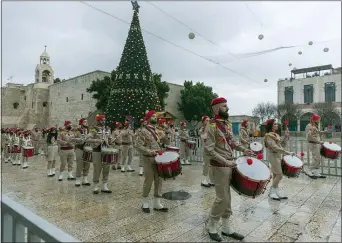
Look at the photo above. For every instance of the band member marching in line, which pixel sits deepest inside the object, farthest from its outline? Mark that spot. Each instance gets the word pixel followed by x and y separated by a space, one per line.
pixel 183 147
pixel 219 146
pixel 3 144
pixel 36 136
pixel 207 173
pixel 67 152
pixel 141 157
pixel 127 147
pixel 286 133
pixel 6 145
pixel 26 142
pixel 52 151
pixel 313 135
pixel 148 144
pixel 82 167
pixel 117 140
pixel 16 149
pixel 98 139
pixel 166 137
pixel 274 144
pixel 244 134
pixel 172 133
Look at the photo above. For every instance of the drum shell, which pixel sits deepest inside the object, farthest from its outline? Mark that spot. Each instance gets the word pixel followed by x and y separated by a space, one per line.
pixel 109 158
pixel 28 152
pixel 290 171
pixel 170 169
pixel 329 154
pixel 172 149
pixel 246 186
pixel 191 145
pixel 87 156
pixel 16 149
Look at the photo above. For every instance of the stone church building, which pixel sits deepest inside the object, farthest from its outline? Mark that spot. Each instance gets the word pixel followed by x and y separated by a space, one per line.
pixel 45 103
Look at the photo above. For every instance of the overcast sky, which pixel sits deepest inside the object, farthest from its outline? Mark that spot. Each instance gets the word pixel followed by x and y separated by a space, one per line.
pixel 80 39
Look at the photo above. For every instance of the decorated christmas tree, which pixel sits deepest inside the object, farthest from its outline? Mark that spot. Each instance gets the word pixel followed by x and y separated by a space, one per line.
pixel 133 91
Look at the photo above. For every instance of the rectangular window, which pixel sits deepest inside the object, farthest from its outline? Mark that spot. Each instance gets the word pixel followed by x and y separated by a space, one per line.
pixel 67 99
pixel 81 96
pixel 289 95
pixel 308 94
pixel 330 91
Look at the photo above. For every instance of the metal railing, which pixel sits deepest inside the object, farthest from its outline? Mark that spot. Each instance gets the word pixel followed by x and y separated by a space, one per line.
pixel 18 224
pixel 297 145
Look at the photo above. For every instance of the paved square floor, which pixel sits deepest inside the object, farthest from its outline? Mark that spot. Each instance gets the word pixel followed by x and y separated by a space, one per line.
pixel 312 213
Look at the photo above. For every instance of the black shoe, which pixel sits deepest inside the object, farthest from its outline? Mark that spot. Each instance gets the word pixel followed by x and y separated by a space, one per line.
pixel 71 179
pixel 205 185
pixel 161 209
pixel 96 192
pixel 322 176
pixel 283 198
pixel 60 179
pixel 25 167
pixel 86 184
pixel 119 167
pixel 130 170
pixel 141 174
pixel 77 185
pixel 106 191
pixel 215 237
pixel 113 168
pixel 211 184
pixel 146 210
pixel 235 236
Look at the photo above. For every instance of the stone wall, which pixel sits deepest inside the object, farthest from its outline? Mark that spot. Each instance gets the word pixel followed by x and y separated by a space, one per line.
pixel 9 96
pixel 69 99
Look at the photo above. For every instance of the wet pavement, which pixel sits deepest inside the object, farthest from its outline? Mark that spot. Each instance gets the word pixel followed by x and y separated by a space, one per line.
pixel 311 214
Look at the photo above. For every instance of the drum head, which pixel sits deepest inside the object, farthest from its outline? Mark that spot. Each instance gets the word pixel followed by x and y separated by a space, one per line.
pixel 256 146
pixel 332 146
pixel 167 157
pixel 28 147
pixel 257 171
pixel 192 142
pixel 109 150
pixel 293 161
pixel 87 148
pixel 170 147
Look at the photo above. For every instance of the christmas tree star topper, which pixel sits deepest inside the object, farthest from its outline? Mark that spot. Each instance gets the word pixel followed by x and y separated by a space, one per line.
pixel 135 6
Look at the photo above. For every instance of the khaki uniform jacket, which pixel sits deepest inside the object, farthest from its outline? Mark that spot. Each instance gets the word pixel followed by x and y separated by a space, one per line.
pixel 216 144
pixel 117 136
pixel 244 137
pixel 313 134
pixel 146 143
pixel 274 143
pixel 65 139
pixel 36 136
pixel 183 135
pixel 127 136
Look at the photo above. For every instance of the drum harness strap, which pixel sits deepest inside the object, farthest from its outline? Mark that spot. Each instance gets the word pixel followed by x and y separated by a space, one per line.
pixel 225 133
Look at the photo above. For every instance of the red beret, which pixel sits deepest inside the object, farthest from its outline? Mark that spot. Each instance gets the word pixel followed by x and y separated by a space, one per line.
pixel 315 117
pixel 161 121
pixel 286 123
pixel 118 124
pixel 182 123
pixel 269 121
pixel 81 121
pixel 142 120
pixel 99 117
pixel 218 101
pixel 244 122
pixel 149 114
pixel 126 123
pixel 66 123
pixel 204 118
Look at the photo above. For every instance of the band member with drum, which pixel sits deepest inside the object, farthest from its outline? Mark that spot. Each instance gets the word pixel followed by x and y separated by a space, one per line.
pixel 26 142
pixel 36 137
pixel 219 146
pixel 313 135
pixel 98 139
pixel 117 140
pixel 172 133
pixel 244 134
pixel 82 167
pixel 274 144
pixel 148 144
pixel 183 147
pixel 207 173
pixel 67 151
pixel 127 148
pixel 52 151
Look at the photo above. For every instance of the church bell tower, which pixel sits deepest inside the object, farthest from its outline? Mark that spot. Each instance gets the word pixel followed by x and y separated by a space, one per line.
pixel 44 72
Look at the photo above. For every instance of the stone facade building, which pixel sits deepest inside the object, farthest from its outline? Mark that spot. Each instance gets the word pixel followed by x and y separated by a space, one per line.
pixel 45 103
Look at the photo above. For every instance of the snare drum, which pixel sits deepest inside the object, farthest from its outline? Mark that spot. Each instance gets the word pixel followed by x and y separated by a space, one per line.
pixel 109 156
pixel 28 151
pixel 168 165
pixel 256 147
pixel 330 150
pixel 291 165
pixel 16 149
pixel 172 149
pixel 88 154
pixel 250 179
pixel 191 144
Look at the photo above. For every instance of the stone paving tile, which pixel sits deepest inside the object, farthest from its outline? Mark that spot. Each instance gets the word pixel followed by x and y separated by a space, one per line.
pixel 312 212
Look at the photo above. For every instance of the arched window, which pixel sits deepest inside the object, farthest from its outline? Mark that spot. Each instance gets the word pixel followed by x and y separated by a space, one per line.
pixel 45 104
pixel 15 105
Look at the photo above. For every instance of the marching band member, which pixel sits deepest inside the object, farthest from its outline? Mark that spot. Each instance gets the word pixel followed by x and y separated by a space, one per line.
pixel 36 136
pixel 148 144
pixel 165 133
pixel 82 167
pixel 97 139
pixel 219 146
pixel 141 157
pixel 117 139
pixel 66 153
pixel 172 133
pixel 27 142
pixel 286 134
pixel 16 150
pixel 5 143
pixel 313 135
pixel 207 173
pixel 127 147
pixel 52 151
pixel 274 144
pixel 183 147
pixel 244 134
